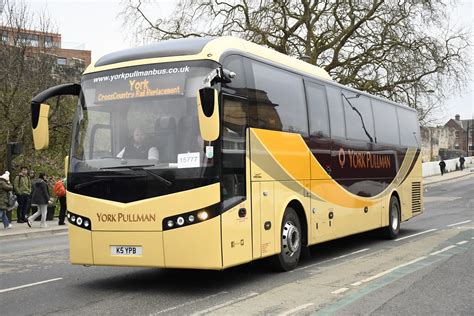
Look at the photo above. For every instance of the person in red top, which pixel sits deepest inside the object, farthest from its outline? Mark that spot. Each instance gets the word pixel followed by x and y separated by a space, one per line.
pixel 60 192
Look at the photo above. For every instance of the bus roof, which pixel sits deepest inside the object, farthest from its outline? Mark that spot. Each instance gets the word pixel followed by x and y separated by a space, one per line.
pixel 199 48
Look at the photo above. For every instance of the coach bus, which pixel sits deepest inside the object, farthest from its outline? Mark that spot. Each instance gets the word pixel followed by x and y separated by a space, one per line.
pixel 208 153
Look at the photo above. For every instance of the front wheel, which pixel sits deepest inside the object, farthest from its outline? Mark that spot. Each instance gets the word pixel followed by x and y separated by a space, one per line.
pixel 291 242
pixel 393 228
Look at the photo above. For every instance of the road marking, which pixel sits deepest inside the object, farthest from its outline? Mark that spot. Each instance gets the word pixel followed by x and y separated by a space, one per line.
pixel 298 308
pixel 468 221
pixel 189 303
pixel 332 259
pixel 392 269
pixel 356 283
pixel 28 285
pixel 420 233
pixel 213 308
pixel 462 242
pixel 442 250
pixel 341 290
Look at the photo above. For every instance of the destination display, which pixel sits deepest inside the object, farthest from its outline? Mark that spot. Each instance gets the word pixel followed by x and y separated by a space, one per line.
pixel 139 83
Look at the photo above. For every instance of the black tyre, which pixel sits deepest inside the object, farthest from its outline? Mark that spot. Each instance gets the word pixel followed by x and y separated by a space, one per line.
pixel 393 228
pixel 291 239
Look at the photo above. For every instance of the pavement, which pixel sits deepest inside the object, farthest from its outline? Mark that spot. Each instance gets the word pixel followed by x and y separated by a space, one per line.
pixel 23 231
pixel 448 176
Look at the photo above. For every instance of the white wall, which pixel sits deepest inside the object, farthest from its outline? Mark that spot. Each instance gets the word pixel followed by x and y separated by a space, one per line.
pixel 432 168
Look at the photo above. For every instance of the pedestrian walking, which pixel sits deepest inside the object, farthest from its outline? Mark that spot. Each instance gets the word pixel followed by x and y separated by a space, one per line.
pixel 40 197
pixel 60 192
pixel 442 166
pixel 461 162
pixel 22 187
pixel 5 189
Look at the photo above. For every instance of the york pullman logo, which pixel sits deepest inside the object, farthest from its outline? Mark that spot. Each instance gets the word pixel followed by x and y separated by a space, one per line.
pixel 125 218
pixel 364 160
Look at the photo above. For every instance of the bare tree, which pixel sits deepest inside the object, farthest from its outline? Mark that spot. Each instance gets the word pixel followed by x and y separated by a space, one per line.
pixel 401 49
pixel 28 66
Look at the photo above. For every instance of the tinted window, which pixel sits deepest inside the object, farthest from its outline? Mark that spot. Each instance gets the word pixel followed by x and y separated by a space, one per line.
pixel 234 122
pixel 279 98
pixel 336 113
pixel 359 121
pixel 386 126
pixel 318 109
pixel 409 129
pixel 234 63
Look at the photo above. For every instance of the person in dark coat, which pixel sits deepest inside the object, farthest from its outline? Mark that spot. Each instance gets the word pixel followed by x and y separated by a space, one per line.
pixel 461 162
pixel 442 166
pixel 5 188
pixel 40 197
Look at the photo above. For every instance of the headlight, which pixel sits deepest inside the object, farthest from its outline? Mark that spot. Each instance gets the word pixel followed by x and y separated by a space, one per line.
pixel 202 215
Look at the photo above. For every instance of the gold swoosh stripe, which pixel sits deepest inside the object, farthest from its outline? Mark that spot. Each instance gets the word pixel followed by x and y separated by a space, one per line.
pixel 291 153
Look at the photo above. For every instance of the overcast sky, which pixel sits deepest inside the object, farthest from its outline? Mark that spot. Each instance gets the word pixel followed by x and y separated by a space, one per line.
pixel 94 25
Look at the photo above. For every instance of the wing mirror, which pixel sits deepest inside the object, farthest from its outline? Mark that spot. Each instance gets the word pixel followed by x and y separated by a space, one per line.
pixel 40 112
pixel 208 113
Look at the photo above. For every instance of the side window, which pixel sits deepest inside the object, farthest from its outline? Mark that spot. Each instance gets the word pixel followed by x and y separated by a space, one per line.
pixel 336 112
pixel 279 99
pixel 234 63
pixel 234 122
pixel 386 125
pixel 359 120
pixel 318 109
pixel 409 130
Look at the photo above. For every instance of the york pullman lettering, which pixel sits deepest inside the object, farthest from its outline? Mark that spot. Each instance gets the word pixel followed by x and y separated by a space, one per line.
pixel 368 160
pixel 126 218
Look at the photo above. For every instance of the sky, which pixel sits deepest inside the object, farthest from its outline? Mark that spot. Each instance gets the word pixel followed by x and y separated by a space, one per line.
pixel 96 26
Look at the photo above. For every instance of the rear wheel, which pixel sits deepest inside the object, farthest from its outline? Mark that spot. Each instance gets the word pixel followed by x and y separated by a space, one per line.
pixel 291 242
pixel 393 228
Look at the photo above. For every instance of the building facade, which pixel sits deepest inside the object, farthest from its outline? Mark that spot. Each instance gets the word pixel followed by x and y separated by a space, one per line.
pixel 464 134
pixel 44 42
pixel 438 143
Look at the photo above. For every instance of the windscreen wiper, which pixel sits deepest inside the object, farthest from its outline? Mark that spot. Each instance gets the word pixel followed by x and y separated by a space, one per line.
pixel 166 182
pixel 127 167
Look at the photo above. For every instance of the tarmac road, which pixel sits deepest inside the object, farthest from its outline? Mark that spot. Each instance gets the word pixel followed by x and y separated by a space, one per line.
pixel 428 270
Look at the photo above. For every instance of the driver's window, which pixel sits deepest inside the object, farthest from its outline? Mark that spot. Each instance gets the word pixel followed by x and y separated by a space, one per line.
pixel 99 144
pixel 102 142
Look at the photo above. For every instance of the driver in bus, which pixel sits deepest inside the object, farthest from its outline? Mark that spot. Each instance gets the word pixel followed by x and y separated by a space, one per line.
pixel 138 149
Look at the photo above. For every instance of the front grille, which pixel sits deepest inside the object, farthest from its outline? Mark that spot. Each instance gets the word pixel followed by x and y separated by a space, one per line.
pixel 416 197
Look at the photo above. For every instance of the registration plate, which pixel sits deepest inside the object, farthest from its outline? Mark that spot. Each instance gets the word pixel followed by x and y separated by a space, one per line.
pixel 126 250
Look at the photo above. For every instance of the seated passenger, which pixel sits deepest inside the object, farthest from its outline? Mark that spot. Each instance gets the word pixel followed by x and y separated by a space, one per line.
pixel 139 149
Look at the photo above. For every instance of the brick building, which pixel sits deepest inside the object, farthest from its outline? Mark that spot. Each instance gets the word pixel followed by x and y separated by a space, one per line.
pixel 45 42
pixel 464 134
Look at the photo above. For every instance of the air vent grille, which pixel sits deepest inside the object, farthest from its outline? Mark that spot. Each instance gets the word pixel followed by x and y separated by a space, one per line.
pixel 416 197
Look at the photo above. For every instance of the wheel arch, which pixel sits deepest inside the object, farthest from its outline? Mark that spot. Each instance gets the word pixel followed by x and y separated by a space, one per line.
pixel 296 205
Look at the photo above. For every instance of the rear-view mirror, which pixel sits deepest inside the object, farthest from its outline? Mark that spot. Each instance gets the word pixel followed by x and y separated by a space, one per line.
pixel 208 112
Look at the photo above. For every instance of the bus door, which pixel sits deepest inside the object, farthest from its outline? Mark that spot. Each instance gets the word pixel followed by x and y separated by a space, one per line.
pixel 237 211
